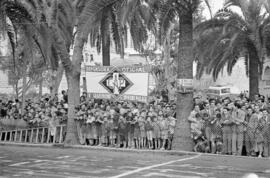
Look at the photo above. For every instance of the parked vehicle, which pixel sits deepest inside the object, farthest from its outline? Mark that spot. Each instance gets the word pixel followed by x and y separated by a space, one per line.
pixel 222 91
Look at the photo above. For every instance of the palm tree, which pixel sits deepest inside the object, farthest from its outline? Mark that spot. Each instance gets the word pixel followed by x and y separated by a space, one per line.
pixel 113 21
pixel 50 25
pixel 86 18
pixel 21 16
pixel 15 23
pixel 228 36
pixel 183 11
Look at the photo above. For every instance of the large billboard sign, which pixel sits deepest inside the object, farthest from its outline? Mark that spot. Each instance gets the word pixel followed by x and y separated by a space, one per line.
pixel 124 83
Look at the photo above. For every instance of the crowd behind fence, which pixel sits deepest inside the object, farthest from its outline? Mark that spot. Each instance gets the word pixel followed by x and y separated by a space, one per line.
pixel 126 124
pixel 236 126
pixel 39 135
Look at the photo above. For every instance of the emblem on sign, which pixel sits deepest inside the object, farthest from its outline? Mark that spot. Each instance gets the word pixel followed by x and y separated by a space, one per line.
pixel 116 82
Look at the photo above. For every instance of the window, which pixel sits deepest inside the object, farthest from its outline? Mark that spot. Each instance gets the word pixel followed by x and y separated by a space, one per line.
pixel 225 90
pixel 212 91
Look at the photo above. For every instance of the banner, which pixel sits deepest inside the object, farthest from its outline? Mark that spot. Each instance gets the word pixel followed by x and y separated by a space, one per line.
pixel 121 83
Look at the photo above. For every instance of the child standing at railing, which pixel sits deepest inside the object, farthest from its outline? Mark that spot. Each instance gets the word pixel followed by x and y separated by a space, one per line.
pixel 156 132
pixel 122 131
pixel 149 131
pixel 136 132
pixel 142 138
pixel 89 121
pixel 130 129
pixel 164 131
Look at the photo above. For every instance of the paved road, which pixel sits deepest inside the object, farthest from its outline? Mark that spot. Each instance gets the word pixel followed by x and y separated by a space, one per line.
pixel 57 162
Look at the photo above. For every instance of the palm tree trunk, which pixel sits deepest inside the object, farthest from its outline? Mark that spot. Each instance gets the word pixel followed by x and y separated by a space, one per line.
pixel 182 139
pixel 167 57
pixel 167 54
pixel 105 37
pixel 58 78
pixel 24 91
pixel 253 74
pixel 106 50
pixel 73 80
pixel 73 72
pixel 122 49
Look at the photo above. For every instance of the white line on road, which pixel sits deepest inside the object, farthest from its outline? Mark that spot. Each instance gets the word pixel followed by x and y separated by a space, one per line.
pixel 62 157
pixel 19 164
pixel 154 166
pixel 168 175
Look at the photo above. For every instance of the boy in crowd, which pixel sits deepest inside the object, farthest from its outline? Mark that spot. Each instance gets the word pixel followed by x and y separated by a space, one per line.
pixel 164 127
pixel 149 131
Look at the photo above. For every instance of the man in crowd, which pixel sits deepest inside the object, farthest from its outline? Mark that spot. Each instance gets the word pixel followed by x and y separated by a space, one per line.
pixel 226 123
pixel 249 132
pixel 238 130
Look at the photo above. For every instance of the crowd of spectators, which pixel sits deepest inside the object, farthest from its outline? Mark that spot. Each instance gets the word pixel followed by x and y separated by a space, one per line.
pixel 126 124
pixel 236 126
pixel 101 122
pixel 45 111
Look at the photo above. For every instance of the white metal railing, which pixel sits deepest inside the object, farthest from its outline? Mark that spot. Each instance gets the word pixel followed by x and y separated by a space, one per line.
pixel 41 135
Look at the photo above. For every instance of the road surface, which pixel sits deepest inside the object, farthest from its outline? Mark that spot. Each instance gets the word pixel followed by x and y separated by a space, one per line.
pixel 58 162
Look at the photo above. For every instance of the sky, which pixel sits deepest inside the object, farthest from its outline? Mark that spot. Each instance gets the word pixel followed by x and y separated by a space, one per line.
pixel 215 6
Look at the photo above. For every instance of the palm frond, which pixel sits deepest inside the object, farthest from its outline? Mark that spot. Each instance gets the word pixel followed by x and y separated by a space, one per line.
pixel 167 16
pixel 12 35
pixel 117 30
pixel 92 8
pixel 208 25
pixel 138 32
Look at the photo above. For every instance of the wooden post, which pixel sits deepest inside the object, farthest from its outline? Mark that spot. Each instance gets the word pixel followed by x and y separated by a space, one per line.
pixel 25 139
pixel 21 136
pixel 31 136
pixel 42 135
pixel 61 134
pixel 54 137
pixel 49 134
pixel 15 137
pixel 37 135
pixel 10 136
pixel 5 136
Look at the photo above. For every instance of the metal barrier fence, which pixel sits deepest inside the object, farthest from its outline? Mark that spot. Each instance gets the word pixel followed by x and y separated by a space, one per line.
pixel 40 135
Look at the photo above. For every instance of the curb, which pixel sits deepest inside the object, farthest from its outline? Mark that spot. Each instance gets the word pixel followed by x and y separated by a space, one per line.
pixel 85 147
pixel 25 145
pixel 167 152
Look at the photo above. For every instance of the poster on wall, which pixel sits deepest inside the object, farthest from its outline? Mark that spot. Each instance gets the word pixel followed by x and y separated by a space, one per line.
pixel 122 83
